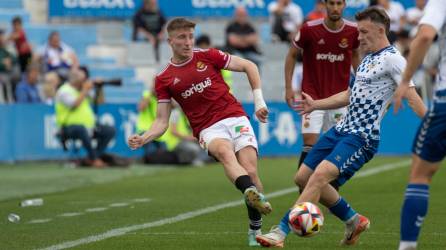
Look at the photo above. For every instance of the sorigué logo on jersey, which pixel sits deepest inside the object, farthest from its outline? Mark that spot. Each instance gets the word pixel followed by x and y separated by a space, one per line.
pixel 344 43
pixel 330 57
pixel 197 88
pixel 201 66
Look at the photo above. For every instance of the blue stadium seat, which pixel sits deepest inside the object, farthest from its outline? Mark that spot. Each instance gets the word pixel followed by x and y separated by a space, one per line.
pixel 127 94
pixel 265 32
pixel 77 36
pixel 98 61
pixel 6 15
pixel 11 4
pixel 111 72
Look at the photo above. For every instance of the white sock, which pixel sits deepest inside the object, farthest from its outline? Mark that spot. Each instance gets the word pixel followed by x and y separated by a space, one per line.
pixel 408 245
pixel 352 220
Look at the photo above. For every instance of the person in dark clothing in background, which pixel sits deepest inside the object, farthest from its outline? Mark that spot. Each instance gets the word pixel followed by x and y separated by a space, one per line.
pixel 148 23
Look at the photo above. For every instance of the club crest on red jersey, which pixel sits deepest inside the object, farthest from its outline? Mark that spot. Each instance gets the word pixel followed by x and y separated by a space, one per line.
pixel 201 66
pixel 344 43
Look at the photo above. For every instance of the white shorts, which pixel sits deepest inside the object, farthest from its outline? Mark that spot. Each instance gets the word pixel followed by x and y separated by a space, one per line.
pixel 318 120
pixel 237 130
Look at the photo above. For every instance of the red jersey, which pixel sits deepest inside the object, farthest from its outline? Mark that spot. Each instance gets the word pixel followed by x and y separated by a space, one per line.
pixel 198 87
pixel 327 57
pixel 21 44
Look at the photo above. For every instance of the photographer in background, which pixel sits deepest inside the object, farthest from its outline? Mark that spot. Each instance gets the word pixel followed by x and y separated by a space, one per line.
pixel 76 119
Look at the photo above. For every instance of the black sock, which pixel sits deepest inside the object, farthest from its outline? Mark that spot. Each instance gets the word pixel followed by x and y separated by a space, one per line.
pixel 335 184
pixel 243 182
pixel 255 218
pixel 305 150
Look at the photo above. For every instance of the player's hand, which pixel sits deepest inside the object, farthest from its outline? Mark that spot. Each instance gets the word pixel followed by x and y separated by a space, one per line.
pixel 306 105
pixel 291 97
pixel 398 96
pixel 87 86
pixel 135 141
pixel 262 114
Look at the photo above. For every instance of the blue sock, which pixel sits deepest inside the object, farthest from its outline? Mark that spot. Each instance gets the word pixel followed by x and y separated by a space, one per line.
pixel 284 223
pixel 413 211
pixel 342 210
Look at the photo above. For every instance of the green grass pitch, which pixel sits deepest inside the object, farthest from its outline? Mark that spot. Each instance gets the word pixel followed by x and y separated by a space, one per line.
pixel 192 208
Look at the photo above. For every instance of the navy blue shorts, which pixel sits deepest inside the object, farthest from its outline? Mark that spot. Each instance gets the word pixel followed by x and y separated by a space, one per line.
pixel 347 151
pixel 430 142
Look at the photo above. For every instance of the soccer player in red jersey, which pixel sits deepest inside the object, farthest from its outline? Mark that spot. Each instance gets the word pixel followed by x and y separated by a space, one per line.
pixel 193 79
pixel 329 49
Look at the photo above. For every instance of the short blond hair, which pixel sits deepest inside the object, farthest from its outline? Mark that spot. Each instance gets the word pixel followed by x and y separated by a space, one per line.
pixel 179 23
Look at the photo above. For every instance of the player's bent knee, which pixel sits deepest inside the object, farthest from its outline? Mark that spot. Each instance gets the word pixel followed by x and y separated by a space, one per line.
pixel 223 153
pixel 300 180
pixel 319 178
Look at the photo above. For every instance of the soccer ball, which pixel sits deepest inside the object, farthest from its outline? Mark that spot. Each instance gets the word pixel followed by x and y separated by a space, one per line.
pixel 305 219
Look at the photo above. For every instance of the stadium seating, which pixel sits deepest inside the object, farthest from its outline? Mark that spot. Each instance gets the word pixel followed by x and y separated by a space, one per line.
pixel 108 51
pixel 7 14
pixel 140 54
pixel 110 33
pixel 11 4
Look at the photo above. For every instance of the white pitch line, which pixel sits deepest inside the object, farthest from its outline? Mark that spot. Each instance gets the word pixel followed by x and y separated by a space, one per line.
pixel 39 221
pixel 95 209
pixel 122 204
pixel 70 214
pixel 184 216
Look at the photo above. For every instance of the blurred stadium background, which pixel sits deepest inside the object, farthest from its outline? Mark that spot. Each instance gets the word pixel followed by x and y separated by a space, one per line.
pixel 100 33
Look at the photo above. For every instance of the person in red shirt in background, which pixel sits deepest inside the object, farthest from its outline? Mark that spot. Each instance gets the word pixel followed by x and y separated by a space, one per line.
pixel 318 12
pixel 18 36
pixel 329 50
pixel 193 79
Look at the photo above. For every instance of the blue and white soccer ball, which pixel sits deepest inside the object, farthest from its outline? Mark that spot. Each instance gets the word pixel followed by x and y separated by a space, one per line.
pixel 306 219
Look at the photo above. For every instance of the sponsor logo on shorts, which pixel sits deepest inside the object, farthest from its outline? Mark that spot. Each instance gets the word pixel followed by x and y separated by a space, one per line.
pixel 307 121
pixel 338 158
pixel 202 143
pixel 241 129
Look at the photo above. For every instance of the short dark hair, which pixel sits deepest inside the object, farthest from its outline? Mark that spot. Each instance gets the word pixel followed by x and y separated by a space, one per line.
pixel 203 39
pixel 375 15
pixel 179 23
pixel 17 19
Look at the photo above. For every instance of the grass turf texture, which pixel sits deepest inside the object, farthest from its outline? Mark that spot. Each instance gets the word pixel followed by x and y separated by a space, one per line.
pixel 145 194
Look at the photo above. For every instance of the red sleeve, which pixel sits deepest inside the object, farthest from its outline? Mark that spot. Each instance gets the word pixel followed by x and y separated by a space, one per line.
pixel 219 58
pixel 162 91
pixel 301 38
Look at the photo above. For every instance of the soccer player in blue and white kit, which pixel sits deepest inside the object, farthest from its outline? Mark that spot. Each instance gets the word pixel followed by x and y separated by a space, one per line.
pixel 344 149
pixel 429 146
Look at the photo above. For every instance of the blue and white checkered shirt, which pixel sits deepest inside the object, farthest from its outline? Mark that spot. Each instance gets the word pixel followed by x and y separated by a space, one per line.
pixel 376 80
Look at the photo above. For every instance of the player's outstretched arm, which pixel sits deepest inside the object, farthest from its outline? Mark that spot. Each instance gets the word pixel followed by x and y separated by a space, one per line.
pixel 157 129
pixel 415 102
pixel 307 104
pixel 290 63
pixel 418 49
pixel 242 65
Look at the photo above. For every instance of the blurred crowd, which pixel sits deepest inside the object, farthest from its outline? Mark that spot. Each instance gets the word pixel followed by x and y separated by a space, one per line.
pixel 29 75
pixel 37 75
